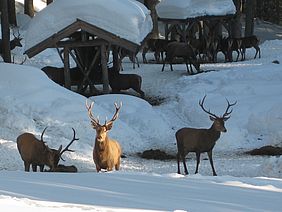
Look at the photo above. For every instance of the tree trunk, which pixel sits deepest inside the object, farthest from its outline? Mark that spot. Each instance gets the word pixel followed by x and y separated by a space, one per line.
pixel 151 5
pixel 250 14
pixel 12 12
pixel 28 8
pixel 6 52
pixel 236 26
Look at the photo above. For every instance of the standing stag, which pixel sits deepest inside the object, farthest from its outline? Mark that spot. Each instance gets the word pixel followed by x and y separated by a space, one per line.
pixel 201 140
pixel 106 152
pixel 36 153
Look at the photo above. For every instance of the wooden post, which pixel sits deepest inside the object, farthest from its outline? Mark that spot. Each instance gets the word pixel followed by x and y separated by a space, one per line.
pixel 104 69
pixel 116 62
pixel 67 68
pixel 6 51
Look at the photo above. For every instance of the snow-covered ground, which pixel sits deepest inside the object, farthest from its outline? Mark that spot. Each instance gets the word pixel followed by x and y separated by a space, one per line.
pixel 29 101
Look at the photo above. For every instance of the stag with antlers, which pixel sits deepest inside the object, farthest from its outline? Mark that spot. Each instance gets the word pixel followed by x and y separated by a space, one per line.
pixel 13 43
pixel 36 153
pixel 106 151
pixel 201 140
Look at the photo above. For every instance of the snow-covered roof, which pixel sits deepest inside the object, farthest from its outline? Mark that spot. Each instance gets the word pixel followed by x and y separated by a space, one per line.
pixel 128 19
pixel 182 9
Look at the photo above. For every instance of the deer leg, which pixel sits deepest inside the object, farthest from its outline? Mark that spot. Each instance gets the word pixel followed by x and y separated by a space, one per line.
pixel 198 154
pixel 211 162
pixel 34 167
pixel 163 66
pixel 184 164
pixel 41 168
pixel 178 162
pixel 26 166
pixel 137 61
pixel 257 51
pixel 171 66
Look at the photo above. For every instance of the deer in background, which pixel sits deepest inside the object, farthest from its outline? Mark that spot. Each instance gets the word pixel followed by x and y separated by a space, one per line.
pixel 249 42
pixel 201 140
pixel 183 50
pixel 106 151
pixel 13 43
pixel 36 153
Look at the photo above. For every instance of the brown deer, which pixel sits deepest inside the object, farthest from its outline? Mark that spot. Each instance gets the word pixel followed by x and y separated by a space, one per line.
pixel 132 57
pixel 249 42
pixel 120 82
pixel 183 50
pixel 106 152
pixel 201 140
pixel 13 43
pixel 36 153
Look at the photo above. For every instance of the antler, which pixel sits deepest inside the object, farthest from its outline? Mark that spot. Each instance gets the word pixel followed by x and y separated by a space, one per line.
pixel 201 103
pixel 94 121
pixel 226 114
pixel 41 137
pixel 115 116
pixel 67 147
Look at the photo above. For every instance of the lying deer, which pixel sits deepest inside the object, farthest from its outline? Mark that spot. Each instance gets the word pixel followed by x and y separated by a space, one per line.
pixel 201 140
pixel 36 153
pixel 120 82
pixel 106 151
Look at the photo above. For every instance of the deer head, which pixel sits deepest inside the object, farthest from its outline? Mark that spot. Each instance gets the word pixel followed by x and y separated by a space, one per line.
pixel 57 153
pixel 218 122
pixel 101 130
pixel 17 40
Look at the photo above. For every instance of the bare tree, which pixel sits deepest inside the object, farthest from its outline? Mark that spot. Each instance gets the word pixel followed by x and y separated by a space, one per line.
pixel 5 32
pixel 12 12
pixel 250 6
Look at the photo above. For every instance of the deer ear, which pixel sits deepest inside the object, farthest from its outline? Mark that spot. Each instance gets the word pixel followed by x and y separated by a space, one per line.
pixel 109 126
pixel 212 118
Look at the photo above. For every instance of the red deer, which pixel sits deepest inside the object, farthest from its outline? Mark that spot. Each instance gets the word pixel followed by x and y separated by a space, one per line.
pixel 106 152
pixel 13 43
pixel 201 140
pixel 132 57
pixel 158 46
pixel 183 50
pixel 57 74
pixel 36 153
pixel 249 42
pixel 120 82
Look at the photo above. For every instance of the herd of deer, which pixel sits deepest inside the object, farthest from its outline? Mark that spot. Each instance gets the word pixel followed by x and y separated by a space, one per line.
pixel 107 151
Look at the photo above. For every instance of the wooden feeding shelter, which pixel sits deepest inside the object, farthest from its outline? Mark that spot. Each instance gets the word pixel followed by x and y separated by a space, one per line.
pixel 86 39
pixel 194 18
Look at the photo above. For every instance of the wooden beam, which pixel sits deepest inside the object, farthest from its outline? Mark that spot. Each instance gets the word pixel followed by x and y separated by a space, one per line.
pixel 111 38
pixel 67 68
pixel 51 41
pixel 74 44
pixel 106 88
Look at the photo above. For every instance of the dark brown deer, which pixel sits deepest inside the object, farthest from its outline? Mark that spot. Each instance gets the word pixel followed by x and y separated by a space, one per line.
pixel 182 50
pixel 13 43
pixel 120 82
pixel 106 152
pixel 201 140
pixel 249 42
pixel 36 153
pixel 132 57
